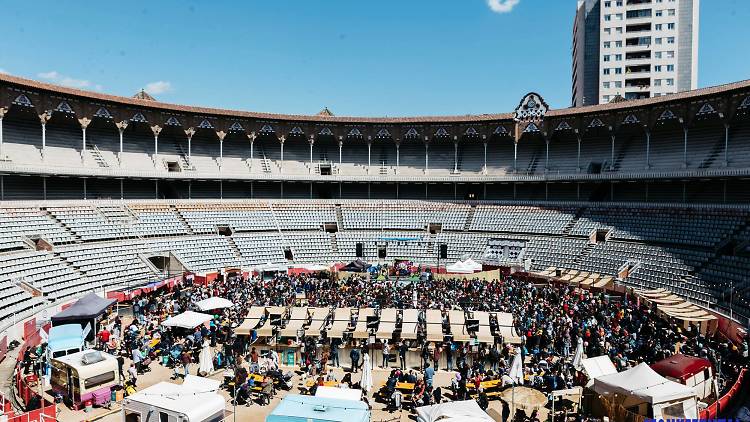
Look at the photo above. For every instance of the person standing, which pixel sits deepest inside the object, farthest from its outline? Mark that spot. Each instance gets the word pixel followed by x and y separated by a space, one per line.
pixel 335 352
pixel 449 356
pixel 402 349
pixel 354 356
pixel 186 360
pixel 386 353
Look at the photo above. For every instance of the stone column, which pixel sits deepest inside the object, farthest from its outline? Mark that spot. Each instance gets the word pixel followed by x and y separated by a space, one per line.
pixel 398 155
pixel 369 148
pixel 281 167
pixel 3 110
pixel 312 141
pixel 189 132
pixel 648 148
pixel 121 128
pixel 221 134
pixel 44 118
pixel 251 137
pixel 578 159
pixel 455 157
pixel 157 130
pixel 726 144
pixel 484 168
pixel 684 147
pixel 426 158
pixel 85 122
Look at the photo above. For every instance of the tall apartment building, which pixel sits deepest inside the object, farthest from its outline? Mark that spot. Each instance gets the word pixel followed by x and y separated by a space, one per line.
pixel 634 49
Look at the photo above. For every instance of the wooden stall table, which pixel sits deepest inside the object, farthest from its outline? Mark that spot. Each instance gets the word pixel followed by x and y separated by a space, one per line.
pixel 311 382
pixel 491 387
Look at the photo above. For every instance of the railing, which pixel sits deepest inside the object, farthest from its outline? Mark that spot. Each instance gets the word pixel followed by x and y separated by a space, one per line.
pixel 519 176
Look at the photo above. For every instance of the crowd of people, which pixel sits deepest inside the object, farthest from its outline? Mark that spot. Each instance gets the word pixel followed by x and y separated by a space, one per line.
pixel 551 321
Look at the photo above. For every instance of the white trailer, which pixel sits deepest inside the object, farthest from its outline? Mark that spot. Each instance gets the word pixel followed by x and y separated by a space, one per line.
pixel 196 400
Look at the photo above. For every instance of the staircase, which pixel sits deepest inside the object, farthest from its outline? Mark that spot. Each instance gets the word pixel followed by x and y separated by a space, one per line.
pixel 69 264
pixel 182 219
pixel 234 248
pixel 584 254
pixel 97 155
pixel 572 222
pixel 715 151
pixel 470 218
pixel 185 163
pixel 61 224
pixel 621 153
pixel 339 217
pixel 334 245
pixel 534 162
pixel 118 215
pixel 383 171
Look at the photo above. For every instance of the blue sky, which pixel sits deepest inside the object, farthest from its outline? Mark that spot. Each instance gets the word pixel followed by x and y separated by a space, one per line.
pixel 385 57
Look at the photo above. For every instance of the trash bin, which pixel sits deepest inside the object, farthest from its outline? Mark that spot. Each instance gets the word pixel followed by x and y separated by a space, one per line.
pixel 88 406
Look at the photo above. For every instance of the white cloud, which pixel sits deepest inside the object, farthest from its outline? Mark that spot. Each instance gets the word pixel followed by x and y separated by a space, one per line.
pixel 158 87
pixel 57 78
pixel 502 6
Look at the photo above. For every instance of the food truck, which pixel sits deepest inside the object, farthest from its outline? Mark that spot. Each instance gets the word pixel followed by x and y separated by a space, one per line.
pixel 85 376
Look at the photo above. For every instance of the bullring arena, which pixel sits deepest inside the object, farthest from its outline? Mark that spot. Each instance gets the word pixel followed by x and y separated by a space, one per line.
pixel 566 262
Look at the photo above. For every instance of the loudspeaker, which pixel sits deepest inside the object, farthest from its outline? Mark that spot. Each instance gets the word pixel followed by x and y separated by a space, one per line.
pixel 472 325
pixel 443 251
pixel 275 320
pixel 372 322
pixel 359 250
pixel 381 252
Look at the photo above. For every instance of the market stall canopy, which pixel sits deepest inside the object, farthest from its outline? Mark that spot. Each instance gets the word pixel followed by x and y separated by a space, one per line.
pixel 455 411
pixel 87 307
pixel 187 319
pixel 681 367
pixel 596 367
pixel 641 384
pixel 458 267
pixel 214 303
pixel 356 266
pixel 525 398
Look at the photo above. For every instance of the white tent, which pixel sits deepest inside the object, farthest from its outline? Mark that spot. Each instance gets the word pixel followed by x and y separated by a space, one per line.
pixel 472 265
pixel 455 411
pixel 642 385
pixel 458 268
pixel 596 367
pixel 214 302
pixel 187 319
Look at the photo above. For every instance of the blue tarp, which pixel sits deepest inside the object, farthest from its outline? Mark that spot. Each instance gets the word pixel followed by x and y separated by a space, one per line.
pixel 65 337
pixel 297 408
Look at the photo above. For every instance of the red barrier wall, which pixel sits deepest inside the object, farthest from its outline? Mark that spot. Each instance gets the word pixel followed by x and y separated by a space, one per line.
pixel 712 411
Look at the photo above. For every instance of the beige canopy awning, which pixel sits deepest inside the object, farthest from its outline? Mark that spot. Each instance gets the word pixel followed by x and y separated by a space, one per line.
pixel 298 318
pixel 458 326
pixel 251 321
pixel 319 321
pixel 387 323
pixel 360 331
pixel 409 324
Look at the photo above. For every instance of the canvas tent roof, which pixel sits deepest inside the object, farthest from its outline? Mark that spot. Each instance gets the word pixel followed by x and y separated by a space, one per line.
pixel 456 411
pixel 187 319
pixel 681 367
pixel 641 384
pixel 356 266
pixel 297 408
pixel 87 307
pixel 597 367
pixel 214 302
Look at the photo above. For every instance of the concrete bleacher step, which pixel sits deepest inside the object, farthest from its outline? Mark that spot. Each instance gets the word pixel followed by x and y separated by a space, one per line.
pixel 180 217
pixel 234 248
pixel 622 151
pixel 584 254
pixel 334 245
pixel 339 217
pixel 717 149
pixel 470 218
pixel 572 222
pixel 63 225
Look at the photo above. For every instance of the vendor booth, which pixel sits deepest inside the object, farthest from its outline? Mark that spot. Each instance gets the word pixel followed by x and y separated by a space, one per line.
pixel 187 320
pixel 84 376
pixel 456 411
pixel 297 408
pixel 641 391
pixel 596 367
pixel 90 309
pixel 690 371
pixel 195 400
